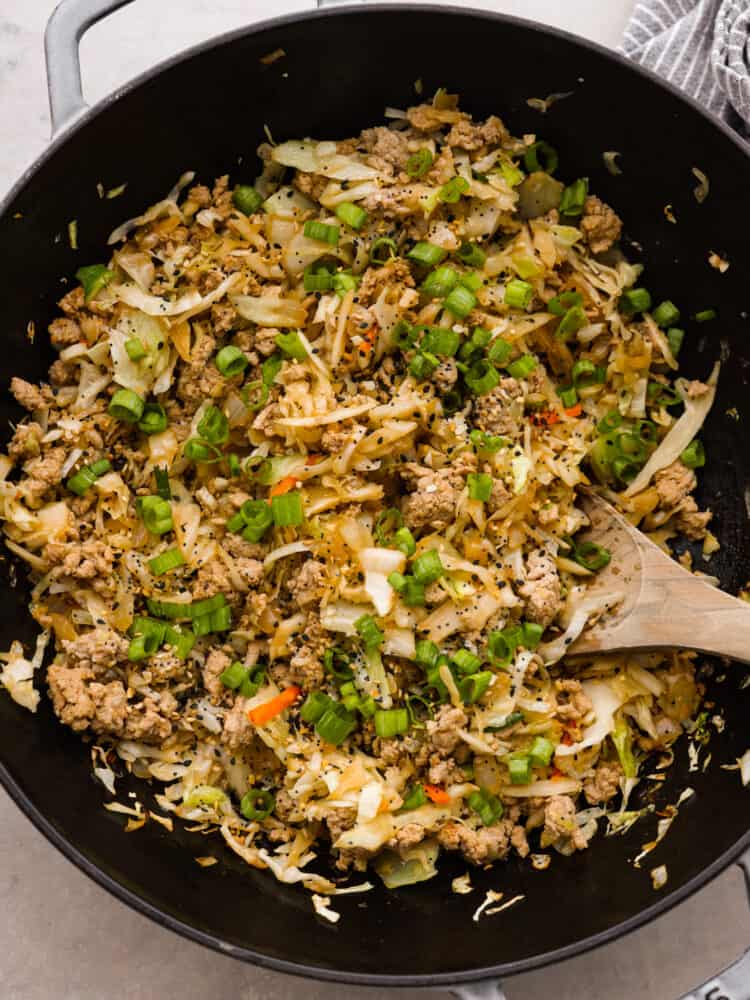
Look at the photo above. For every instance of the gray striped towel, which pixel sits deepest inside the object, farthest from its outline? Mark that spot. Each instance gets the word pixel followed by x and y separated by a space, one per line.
pixel 702 46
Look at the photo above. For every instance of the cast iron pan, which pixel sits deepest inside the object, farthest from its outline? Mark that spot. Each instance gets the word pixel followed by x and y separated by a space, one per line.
pixel 205 110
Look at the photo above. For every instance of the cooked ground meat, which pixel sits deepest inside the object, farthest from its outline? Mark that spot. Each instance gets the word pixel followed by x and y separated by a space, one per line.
pixel 238 730
pixel 574 704
pixel 63 332
pixel 433 501
pixel 386 144
pixel 216 663
pixel 97 652
pixel 542 588
pixel 31 397
pixel 674 483
pixel 478 846
pixel 560 824
pixel 25 442
pixel 601 227
pixel 309 583
pixel 498 411
pixel 306 665
pixel 604 784
pixel 470 136
pixel 442 730
pixel 445 375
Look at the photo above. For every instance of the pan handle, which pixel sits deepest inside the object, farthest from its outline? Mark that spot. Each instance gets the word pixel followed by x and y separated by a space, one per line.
pixel 70 20
pixel 732 983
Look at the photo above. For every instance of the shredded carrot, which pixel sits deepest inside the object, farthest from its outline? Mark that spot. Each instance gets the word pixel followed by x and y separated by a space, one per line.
pixel 283 486
pixel 546 418
pixel 312 459
pixel 566 739
pixel 556 774
pixel 368 341
pixel 574 411
pixel 437 795
pixel 270 709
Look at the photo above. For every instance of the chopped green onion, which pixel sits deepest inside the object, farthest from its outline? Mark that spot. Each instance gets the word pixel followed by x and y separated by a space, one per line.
pixel 181 641
pixel 466 662
pixel 287 509
pixel 419 163
pixel 440 340
pixel 427 567
pixel 344 282
pixel 439 282
pixel 234 675
pixel 480 486
pixel 666 314
pixel 368 630
pixel 270 369
pixel 574 197
pixel 635 300
pixel 351 215
pixel 413 593
pixel 508 721
pixel 397 581
pixel 404 335
pixel 625 469
pixel 451 191
pixel 162 483
pixel 255 679
pixel 367 707
pixel 568 396
pixel 93 277
pixel 491 443
pixel 214 426
pixel 632 446
pixel 531 633
pixel 126 406
pixel 415 798
pixel 460 301
pixel 520 770
pixel 481 378
pixel 257 804
pixel 476 343
pixel 336 662
pixel 541 751
pixel 499 352
pixel 231 361
pixel 422 365
pixel 153 419
pixel 174 610
pixel 585 373
pixel 591 556
pixel 156 514
pixel 705 315
pixel 256 517
pixel 135 349
pixel 168 560
pixel 573 320
pixel 489 806
pixel 87 476
pixel 386 522
pixel 233 461
pixel 404 541
pixel 217 621
pixel 291 345
pixel 511 174
pixel 314 706
pixel 391 722
pixel 522 366
pixel 426 652
pixel 610 422
pixel 382 250
pixel 336 724
pixel 322 232
pixel 471 255
pixel 518 294
pixel 561 303
pixel 426 254
pixel 694 456
pixel 201 451
pixel 471 280
pixel 246 199
pixel 541 156
pixel 675 336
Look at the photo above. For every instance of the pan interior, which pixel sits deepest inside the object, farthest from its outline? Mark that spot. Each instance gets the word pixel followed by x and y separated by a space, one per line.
pixel 207 113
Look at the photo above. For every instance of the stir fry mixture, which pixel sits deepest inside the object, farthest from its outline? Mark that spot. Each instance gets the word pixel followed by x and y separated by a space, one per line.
pixel 299 502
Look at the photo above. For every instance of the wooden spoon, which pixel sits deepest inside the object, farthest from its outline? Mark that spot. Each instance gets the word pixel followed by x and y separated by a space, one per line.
pixel 664 606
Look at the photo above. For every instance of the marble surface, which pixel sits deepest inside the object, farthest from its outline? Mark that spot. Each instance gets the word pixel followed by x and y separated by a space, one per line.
pixel 61 935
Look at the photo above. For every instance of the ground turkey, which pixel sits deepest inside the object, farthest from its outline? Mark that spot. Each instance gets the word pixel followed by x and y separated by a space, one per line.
pixel 575 704
pixel 238 730
pixel 385 144
pixel 25 442
pixel 30 397
pixel 63 332
pixel 560 824
pixel 435 493
pixel 542 588
pixel 81 704
pixel 601 227
pixel 443 729
pixel 308 585
pixel 306 666
pixel 500 411
pixel 445 375
pixel 216 663
pixel 470 136
pixel 98 651
pixel 674 483
pixel 478 846
pixel 82 561
pixel 603 784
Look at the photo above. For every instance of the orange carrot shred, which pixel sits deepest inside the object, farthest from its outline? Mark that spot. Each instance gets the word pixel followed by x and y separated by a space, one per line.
pixel 283 486
pixel 262 714
pixel 574 411
pixel 437 795
pixel 312 459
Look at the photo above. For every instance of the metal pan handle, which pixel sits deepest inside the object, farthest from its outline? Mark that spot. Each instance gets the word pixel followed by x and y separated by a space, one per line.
pixel 70 20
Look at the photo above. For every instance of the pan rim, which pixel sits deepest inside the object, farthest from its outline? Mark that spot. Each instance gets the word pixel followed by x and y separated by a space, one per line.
pixel 132 898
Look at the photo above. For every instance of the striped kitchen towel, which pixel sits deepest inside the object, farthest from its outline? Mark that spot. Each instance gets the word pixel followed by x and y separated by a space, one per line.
pixel 702 46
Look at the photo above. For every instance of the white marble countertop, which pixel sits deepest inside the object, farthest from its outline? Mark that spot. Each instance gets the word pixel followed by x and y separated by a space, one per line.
pixel 64 937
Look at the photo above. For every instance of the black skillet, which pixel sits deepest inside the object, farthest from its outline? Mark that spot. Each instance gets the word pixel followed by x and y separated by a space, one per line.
pixel 205 110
